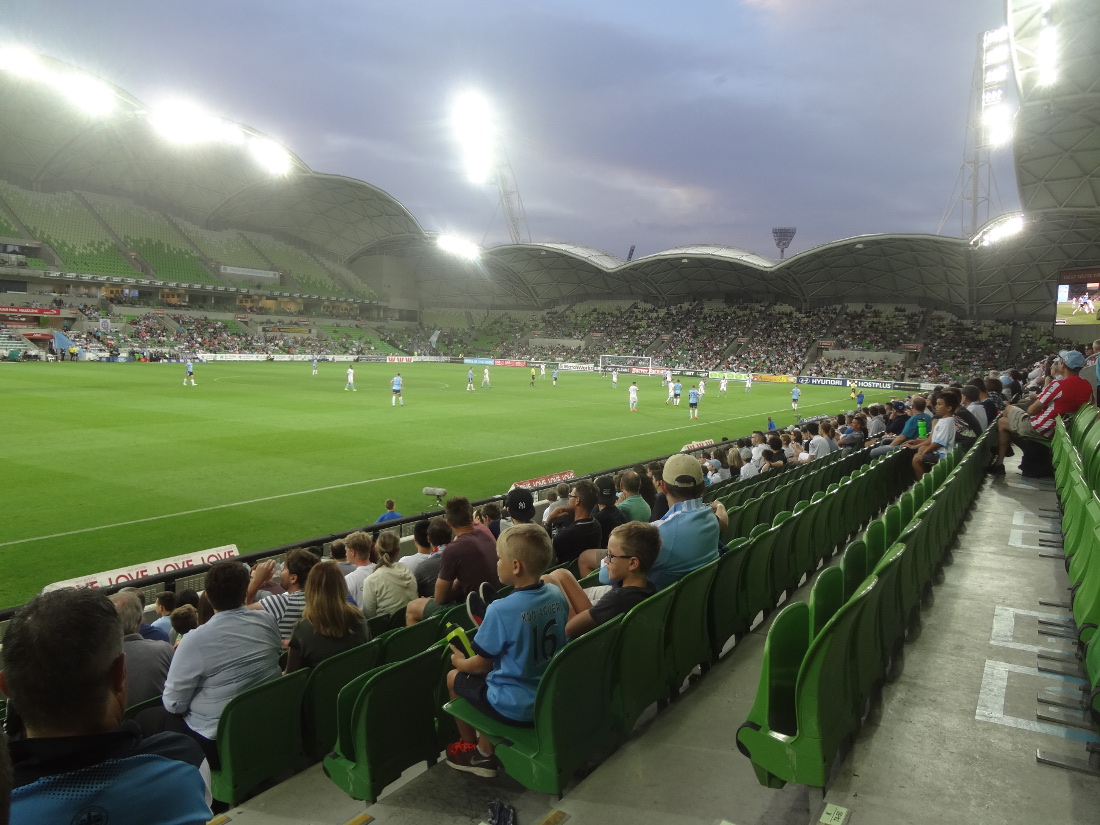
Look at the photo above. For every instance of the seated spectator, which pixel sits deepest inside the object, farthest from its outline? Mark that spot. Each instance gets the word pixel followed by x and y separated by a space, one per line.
pixel 558 497
pixel 236 650
pixel 423 554
pixel 166 603
pixel 856 434
pixel 490 517
pixel 690 529
pixel 660 502
pixel 633 504
pixel 468 562
pixel 187 597
pixel 205 609
pixel 392 585
pixel 942 438
pixel 329 624
pixel 584 532
pixel 520 505
pixel 184 619
pixel 146 661
pixel 147 630
pixel 390 513
pixel 65 671
pixel 606 514
pixel 285 607
pixel 501 678
pixel 647 486
pixel 972 399
pixel 340 556
pixel 631 551
pixel 910 430
pixel 360 551
pixel 876 424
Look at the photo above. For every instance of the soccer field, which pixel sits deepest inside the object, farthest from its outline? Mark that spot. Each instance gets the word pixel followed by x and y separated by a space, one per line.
pixel 112 464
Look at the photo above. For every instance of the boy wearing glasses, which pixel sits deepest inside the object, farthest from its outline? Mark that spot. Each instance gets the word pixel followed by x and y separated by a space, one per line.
pixel 631 550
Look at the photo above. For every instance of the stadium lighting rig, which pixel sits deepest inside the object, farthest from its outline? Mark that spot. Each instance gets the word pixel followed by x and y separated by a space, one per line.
pixel 1004 227
pixel 997 114
pixel 180 123
pixel 459 247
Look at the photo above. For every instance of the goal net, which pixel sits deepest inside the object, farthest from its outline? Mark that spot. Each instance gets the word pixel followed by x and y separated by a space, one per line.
pixel 624 363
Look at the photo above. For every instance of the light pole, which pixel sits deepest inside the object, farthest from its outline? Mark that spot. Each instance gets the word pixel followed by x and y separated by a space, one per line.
pixel 783 236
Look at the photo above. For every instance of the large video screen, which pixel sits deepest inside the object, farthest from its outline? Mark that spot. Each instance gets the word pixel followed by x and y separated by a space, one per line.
pixel 1078 298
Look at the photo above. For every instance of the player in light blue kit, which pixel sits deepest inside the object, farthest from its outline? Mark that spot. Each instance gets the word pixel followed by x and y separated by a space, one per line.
pixel 796 393
pixel 693 402
pixel 470 380
pixel 398 389
pixel 190 373
pixel 677 388
pixel 554 375
pixel 314 364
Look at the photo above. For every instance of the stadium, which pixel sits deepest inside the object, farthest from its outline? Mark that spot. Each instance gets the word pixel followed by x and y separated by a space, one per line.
pixel 943 662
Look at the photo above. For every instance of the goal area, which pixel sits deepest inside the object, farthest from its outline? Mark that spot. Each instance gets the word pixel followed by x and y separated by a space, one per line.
pixel 624 363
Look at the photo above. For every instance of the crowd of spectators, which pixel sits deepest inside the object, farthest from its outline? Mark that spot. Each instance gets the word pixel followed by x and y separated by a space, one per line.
pixel 860 368
pixel 954 349
pixel 876 329
pixel 778 341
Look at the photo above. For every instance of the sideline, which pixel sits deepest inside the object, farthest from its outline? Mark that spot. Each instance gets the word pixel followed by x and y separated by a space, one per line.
pixel 347 484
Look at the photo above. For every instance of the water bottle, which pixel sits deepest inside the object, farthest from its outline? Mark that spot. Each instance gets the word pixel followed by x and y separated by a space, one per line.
pixel 922 429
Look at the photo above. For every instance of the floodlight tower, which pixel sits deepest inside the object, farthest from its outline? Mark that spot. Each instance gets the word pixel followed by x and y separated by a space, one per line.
pixel 988 125
pixel 487 160
pixel 783 236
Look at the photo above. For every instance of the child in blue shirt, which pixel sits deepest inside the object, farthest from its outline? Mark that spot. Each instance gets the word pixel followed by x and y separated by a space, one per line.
pixel 513 645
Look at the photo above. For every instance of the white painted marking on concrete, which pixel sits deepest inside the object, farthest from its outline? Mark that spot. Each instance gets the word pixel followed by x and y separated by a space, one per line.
pixel 1022 518
pixel 1004 627
pixel 991 702
pixel 1016 539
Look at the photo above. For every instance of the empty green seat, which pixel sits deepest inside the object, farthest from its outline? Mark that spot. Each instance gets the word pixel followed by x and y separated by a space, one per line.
pixel 687 641
pixel 409 641
pixel 826 598
pixel 727 599
pixel 259 737
pixel 319 702
pixel 638 673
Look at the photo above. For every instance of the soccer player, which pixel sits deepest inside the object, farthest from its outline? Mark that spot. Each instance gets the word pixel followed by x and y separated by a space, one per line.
pixel 702 387
pixel 314 364
pixel 398 385
pixel 722 387
pixel 351 380
pixel 533 376
pixel 614 379
pixel 669 393
pixel 748 382
pixel 542 369
pixel 693 402
pixel 668 377
pixel 677 388
pixel 633 396
pixel 190 373
pixel 796 393
pixel 470 380
pixel 485 379
pixel 555 376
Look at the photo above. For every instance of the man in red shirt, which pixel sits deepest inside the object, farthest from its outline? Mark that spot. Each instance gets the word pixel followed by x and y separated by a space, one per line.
pixel 1063 395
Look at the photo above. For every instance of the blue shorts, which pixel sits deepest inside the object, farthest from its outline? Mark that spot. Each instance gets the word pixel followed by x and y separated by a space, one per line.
pixel 473 688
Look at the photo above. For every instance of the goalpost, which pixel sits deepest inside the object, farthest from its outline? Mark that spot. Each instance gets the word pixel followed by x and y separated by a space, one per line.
pixel 623 363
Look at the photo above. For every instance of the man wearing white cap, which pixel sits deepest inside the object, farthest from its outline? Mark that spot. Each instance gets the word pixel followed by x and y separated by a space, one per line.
pixel 1065 394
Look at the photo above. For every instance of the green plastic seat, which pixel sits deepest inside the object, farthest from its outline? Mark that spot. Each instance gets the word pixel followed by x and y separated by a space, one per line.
pixel 875 539
pixel 727 599
pixel 405 642
pixel 639 671
pixel 387 724
pixel 574 715
pixel 259 737
pixel 826 598
pixel 854 565
pixel 807 701
pixel 134 710
pixel 323 686
pixel 894 522
pixel 687 637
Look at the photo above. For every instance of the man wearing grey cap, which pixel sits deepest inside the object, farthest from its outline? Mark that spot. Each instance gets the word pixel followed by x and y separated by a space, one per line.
pixel 1065 394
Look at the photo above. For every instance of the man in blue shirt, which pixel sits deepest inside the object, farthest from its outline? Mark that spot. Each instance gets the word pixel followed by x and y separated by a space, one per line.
pixel 693 402
pixel 796 393
pixel 390 513
pixel 190 373
pixel 65 669
pixel 554 375
pixel 690 529
pixel 677 388
pixel 911 429
pixel 399 386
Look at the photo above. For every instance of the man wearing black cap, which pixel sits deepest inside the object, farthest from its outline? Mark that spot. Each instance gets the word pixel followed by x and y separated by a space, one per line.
pixel 607 515
pixel 520 506
pixel 1063 395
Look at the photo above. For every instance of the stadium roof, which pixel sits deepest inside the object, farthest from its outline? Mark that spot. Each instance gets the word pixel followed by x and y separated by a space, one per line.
pixel 48 142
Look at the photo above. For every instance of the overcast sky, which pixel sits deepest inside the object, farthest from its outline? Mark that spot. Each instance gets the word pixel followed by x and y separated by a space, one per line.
pixel 655 124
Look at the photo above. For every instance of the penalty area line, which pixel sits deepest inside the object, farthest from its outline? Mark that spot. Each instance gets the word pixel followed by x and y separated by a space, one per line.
pixel 361 482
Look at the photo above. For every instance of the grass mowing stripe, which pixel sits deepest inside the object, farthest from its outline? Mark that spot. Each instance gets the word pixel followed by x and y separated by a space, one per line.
pixel 358 483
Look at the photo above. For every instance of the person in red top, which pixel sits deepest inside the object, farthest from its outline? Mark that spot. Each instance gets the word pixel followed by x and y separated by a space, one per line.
pixel 1061 396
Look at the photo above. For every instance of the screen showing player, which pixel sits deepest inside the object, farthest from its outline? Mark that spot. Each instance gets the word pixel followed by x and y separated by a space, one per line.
pixel 1078 304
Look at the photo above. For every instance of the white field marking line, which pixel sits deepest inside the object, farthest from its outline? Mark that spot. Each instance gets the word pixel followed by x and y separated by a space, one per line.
pixel 354 484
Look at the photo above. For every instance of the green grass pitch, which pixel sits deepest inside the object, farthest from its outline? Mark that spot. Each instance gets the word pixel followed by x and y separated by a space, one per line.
pixel 112 464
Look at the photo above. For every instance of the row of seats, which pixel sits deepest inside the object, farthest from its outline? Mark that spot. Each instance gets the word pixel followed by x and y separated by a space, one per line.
pixel 824 660
pixel 1077 476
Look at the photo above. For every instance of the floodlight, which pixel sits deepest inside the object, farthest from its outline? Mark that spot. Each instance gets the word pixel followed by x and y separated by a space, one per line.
pixel 20 61
pixel 1004 227
pixel 473 123
pixel 270 155
pixel 89 94
pixel 185 123
pixel 459 246
pixel 1047 55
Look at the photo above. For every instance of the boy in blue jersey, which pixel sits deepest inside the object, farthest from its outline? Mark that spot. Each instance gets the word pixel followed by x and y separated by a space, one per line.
pixel 859 400
pixel 693 402
pixel 514 644
pixel 398 390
